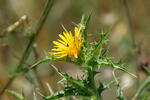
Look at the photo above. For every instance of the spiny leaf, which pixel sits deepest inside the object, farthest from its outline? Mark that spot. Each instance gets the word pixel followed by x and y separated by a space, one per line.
pixel 57 95
pixel 56 69
pixel 120 93
pixel 119 65
pixel 47 59
pixel 107 85
pixel 78 84
pixel 69 79
pixel 103 86
pixel 68 91
pixel 106 61
pixel 16 95
pixel 96 53
pixel 43 96
pixel 125 70
pixel 50 89
pixel 82 22
pixel 104 36
pixel 119 88
pixel 100 88
pixel 86 27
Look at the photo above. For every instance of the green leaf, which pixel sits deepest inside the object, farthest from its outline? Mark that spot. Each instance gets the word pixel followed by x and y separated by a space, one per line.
pixel 101 88
pixel 68 91
pixel 119 88
pixel 16 95
pixel 50 89
pixel 106 61
pixel 47 59
pixel 120 93
pixel 44 97
pixel 119 65
pixel 107 85
pixel 82 22
pixel 86 27
pixel 97 49
pixel 58 95
pixel 125 70
pixel 142 87
pixel 77 86
pixel 74 82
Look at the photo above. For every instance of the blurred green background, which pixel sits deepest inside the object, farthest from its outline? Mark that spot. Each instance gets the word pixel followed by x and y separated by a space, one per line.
pixel 105 14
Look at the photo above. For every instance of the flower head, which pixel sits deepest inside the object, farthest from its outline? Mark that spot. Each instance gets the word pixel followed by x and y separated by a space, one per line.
pixel 68 45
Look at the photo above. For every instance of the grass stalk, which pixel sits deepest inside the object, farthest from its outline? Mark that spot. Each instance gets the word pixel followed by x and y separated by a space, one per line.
pixel 35 33
pixel 134 45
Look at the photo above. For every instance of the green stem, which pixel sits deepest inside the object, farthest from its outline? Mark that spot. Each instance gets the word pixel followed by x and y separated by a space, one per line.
pixel 119 89
pixel 32 39
pixel 96 95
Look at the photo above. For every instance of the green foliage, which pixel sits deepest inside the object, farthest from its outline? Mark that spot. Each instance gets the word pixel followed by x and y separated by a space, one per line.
pixel 90 57
pixel 16 95
pixel 49 88
pixel 46 59
pixel 97 49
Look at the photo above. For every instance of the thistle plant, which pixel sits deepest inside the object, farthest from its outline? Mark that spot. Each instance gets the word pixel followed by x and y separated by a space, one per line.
pixel 78 50
pixel 75 48
pixel 89 56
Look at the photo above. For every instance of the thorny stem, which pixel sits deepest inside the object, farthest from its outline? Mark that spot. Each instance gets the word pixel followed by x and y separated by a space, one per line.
pixel 113 73
pixel 119 89
pixel 32 39
pixel 91 79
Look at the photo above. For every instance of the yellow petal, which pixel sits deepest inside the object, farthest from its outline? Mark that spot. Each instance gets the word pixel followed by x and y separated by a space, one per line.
pixel 59 44
pixel 67 37
pixel 63 38
pixel 75 55
pixel 68 45
pixel 58 53
pixel 62 42
pixel 56 49
pixel 61 56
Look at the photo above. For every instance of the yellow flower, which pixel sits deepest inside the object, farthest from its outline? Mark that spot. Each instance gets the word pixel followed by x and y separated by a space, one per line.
pixel 68 45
